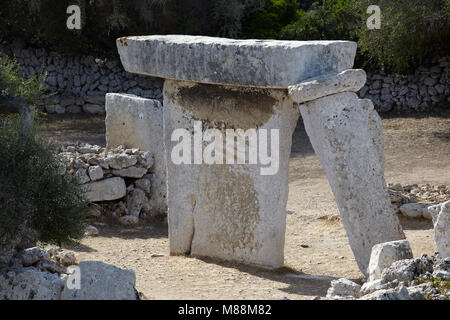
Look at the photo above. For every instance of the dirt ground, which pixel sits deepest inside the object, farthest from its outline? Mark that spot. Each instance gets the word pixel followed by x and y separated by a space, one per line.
pixel 316 248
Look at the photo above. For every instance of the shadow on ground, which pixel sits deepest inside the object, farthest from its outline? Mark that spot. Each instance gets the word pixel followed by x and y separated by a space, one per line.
pixel 415 224
pixel 299 283
pixel 151 228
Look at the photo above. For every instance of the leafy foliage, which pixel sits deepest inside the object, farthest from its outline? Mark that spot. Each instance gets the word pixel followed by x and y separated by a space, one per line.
pixel 43 22
pixel 412 32
pixel 326 20
pixel 442 286
pixel 34 197
pixel 12 84
pixel 268 23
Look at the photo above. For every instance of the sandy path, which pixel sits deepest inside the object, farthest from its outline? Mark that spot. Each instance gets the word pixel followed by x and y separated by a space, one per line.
pixel 316 250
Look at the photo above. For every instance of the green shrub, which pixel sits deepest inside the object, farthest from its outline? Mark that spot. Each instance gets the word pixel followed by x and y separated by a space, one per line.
pixel 34 197
pixel 326 20
pixel 412 33
pixel 13 85
pixel 36 202
pixel 43 22
pixel 269 23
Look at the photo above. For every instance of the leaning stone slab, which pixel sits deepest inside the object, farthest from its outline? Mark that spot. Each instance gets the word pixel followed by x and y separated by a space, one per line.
pixel 385 254
pixel 136 122
pixel 339 130
pixel 106 190
pixel 228 211
pixel 311 89
pixel 259 63
pixel 441 221
pixel 375 127
pixel 101 281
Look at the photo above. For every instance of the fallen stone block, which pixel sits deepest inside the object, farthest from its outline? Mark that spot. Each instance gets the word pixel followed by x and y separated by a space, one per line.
pixel 29 284
pixel 101 281
pixel 385 254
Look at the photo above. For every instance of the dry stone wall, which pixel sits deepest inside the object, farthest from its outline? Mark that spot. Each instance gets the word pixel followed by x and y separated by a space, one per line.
pixel 118 178
pixel 426 88
pixel 81 82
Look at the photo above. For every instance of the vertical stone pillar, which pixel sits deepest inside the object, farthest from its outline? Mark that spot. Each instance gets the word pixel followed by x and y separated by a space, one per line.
pixel 137 122
pixel 228 211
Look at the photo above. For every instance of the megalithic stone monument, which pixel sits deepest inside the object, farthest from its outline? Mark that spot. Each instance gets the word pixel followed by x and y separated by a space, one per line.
pixel 230 109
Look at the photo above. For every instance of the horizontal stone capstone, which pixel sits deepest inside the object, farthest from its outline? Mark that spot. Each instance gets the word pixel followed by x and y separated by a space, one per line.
pixel 259 63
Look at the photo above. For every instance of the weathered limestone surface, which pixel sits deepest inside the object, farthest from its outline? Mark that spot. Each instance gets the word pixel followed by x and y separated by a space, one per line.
pixel 385 254
pixel 102 281
pixel 261 63
pixel 138 123
pixel 375 128
pixel 29 284
pixel 339 129
pixel 230 211
pixel 106 190
pixel 441 221
pixel 343 287
pixel 311 89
